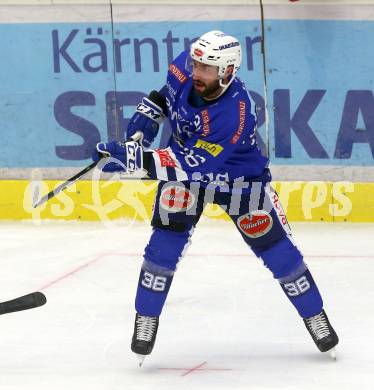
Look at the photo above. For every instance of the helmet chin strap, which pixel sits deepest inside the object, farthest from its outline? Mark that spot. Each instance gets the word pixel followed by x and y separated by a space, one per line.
pixel 223 86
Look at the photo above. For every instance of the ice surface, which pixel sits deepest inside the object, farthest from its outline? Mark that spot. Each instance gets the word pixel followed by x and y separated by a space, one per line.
pixel 226 324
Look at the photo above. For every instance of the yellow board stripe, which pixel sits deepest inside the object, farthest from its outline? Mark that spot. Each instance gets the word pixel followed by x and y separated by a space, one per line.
pixel 105 201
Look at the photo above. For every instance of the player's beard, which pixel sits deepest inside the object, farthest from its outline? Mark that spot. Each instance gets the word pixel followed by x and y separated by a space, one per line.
pixel 209 91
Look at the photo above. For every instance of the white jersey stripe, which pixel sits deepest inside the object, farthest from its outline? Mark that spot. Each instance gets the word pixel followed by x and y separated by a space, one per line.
pixel 179 172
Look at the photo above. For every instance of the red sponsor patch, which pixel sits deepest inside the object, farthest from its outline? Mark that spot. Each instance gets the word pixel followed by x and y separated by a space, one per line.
pixel 176 198
pixel 206 127
pixel 179 75
pixel 198 52
pixel 255 224
pixel 165 159
pixel 239 132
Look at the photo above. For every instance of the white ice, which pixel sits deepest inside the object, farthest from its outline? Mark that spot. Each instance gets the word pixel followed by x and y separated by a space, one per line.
pixel 226 324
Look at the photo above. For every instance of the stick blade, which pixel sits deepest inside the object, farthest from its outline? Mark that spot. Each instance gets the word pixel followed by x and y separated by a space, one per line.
pixel 42 200
pixel 29 301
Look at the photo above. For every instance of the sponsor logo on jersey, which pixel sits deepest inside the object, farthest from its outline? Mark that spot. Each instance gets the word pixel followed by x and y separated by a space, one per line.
pixel 255 224
pixel 213 149
pixel 198 52
pixel 172 92
pixel 239 132
pixel 178 74
pixel 206 127
pixel 165 159
pixel 176 198
pixel 279 209
pixel 228 45
pixel 183 109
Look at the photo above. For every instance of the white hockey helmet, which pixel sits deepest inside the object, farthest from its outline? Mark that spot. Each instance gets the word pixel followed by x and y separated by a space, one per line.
pixel 218 49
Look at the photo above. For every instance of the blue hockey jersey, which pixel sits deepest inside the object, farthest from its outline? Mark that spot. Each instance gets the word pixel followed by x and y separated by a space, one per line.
pixel 211 142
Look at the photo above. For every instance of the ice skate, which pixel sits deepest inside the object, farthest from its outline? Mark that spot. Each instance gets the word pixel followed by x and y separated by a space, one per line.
pixel 322 333
pixel 143 339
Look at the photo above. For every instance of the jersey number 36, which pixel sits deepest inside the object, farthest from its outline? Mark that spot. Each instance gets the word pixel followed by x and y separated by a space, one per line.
pixel 155 283
pixel 300 286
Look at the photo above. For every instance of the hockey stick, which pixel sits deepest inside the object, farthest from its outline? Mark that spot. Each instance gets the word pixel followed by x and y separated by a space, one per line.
pixel 76 177
pixel 29 301
pixel 263 52
pixel 65 184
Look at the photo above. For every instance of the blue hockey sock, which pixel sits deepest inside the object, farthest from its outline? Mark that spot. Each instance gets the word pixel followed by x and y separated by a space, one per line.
pixel 153 287
pixel 287 265
pixel 302 291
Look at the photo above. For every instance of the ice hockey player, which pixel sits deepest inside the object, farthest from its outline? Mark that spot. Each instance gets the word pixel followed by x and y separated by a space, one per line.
pixel 213 157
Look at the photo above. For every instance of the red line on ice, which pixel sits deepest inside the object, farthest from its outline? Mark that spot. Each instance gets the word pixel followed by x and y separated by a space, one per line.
pixel 194 369
pixel 197 368
pixel 72 272
pixel 136 255
pixel 249 254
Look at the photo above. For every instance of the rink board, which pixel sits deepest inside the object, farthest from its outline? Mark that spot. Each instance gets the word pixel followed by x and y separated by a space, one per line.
pixel 94 64
pixel 111 200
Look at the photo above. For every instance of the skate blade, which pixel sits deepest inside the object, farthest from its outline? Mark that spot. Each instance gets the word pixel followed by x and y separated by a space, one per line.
pixel 140 359
pixel 332 353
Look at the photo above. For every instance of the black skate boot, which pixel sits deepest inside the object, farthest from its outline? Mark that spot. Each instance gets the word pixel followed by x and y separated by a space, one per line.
pixel 322 332
pixel 144 337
